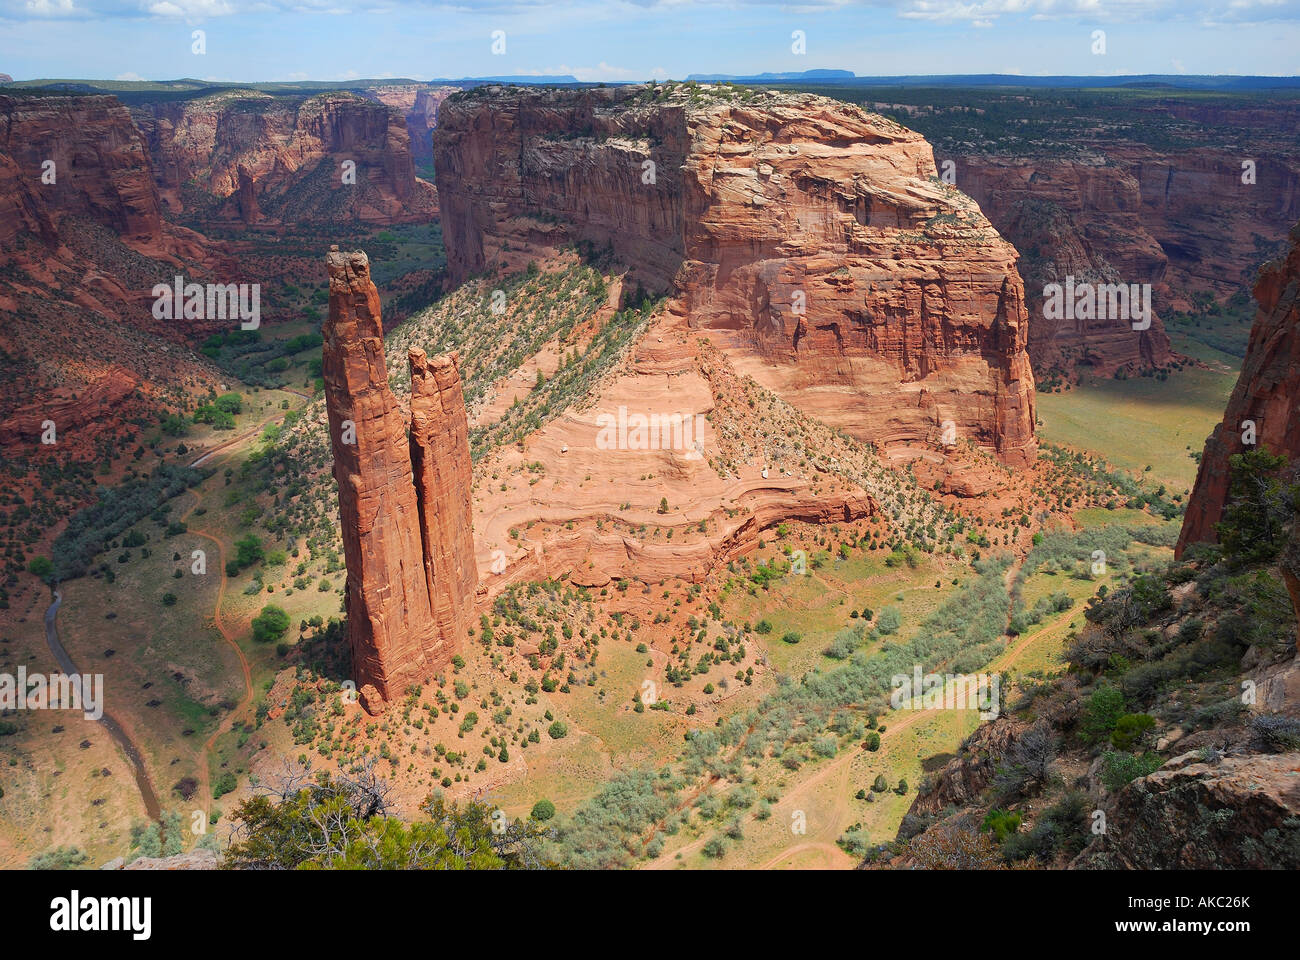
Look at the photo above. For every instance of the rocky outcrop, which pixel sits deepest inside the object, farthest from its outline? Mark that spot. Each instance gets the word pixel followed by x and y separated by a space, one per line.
pixel 405 613
pixel 70 410
pixel 961 780
pixel 813 241
pixel 274 159
pixel 1240 813
pixel 444 479
pixel 1267 393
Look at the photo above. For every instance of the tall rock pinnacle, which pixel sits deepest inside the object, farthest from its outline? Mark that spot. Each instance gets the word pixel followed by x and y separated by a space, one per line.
pixel 443 477
pixel 406 617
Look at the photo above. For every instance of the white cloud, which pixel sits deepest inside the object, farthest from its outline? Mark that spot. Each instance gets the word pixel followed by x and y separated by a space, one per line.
pixel 977 12
pixel 51 8
pixel 191 9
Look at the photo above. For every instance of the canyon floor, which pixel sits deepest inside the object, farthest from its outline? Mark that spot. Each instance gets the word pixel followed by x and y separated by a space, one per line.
pixel 680 646
pixel 214 711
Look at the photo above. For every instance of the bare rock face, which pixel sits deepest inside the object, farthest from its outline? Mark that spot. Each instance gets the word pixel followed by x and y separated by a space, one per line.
pixel 419 105
pixel 100 169
pixel 964 778
pixel 1242 813
pixel 1267 393
pixel 443 482
pixel 276 160
pixel 1065 216
pixel 1170 195
pixel 814 241
pixel 404 623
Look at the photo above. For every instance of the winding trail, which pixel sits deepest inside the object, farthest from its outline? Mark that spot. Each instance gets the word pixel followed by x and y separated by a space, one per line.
pixel 228 634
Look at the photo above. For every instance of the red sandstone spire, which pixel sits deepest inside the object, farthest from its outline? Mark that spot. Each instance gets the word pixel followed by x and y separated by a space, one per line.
pixel 398 634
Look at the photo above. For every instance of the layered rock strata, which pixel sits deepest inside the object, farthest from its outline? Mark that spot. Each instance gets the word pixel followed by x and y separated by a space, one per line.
pixel 410 560
pixel 77 156
pixel 1264 404
pixel 812 240
pixel 284 160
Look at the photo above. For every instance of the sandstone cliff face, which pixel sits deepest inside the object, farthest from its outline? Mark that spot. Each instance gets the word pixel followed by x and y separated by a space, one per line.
pixel 405 614
pixel 1267 392
pixel 82 242
pixel 101 168
pixel 419 105
pixel 264 159
pixel 1110 189
pixel 439 445
pixel 1067 217
pixel 811 239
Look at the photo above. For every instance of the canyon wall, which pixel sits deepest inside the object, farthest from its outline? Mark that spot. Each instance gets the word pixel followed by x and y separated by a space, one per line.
pixel 82 243
pixel 1155 200
pixel 101 169
pixel 419 105
pixel 408 544
pixel 261 159
pixel 812 241
pixel 1080 219
pixel 1267 393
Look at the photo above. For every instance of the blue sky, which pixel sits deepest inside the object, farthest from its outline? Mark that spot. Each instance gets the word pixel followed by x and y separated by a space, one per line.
pixel 638 39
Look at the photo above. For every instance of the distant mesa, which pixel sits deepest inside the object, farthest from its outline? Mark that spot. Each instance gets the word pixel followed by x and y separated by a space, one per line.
pixel 795 75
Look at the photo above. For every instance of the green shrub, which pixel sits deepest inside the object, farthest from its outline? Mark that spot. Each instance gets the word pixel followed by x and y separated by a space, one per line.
pixel 543 810
pixel 1001 824
pixel 1100 714
pixel 271 624
pixel 1120 769
pixel 225 784
pixel 1130 729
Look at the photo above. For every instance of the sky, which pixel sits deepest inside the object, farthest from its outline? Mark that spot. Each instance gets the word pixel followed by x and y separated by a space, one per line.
pixel 612 40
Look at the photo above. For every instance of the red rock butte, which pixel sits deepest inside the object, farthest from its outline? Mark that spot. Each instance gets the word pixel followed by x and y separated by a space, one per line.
pixel 810 240
pixel 1267 394
pixel 404 504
